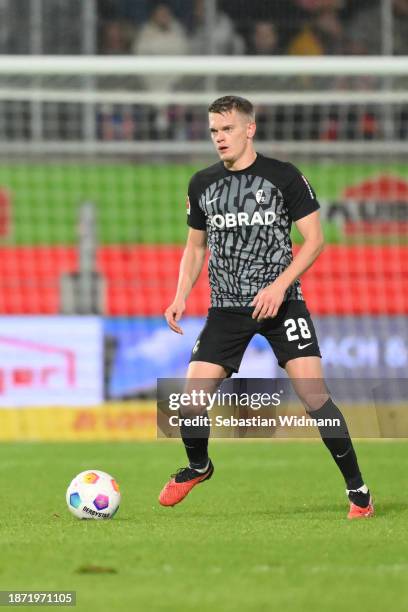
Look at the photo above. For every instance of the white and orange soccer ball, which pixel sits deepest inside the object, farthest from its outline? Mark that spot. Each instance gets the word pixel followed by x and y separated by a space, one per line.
pixel 93 495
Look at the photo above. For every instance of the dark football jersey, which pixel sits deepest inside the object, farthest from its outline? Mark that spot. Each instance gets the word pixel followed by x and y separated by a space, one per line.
pixel 247 215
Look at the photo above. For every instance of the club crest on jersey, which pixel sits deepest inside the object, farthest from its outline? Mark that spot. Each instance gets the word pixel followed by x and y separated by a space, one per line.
pixel 260 196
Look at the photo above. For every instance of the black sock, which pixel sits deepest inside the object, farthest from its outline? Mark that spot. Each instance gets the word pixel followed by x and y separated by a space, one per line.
pixel 195 441
pixel 337 440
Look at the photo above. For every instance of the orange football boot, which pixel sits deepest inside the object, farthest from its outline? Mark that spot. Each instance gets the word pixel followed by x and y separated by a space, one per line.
pixel 356 511
pixel 181 484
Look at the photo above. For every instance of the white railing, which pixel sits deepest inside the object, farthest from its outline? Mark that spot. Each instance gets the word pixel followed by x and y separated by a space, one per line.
pixel 208 65
pixel 43 85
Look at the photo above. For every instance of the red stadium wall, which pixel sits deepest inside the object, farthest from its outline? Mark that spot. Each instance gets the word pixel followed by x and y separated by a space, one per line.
pixel 141 280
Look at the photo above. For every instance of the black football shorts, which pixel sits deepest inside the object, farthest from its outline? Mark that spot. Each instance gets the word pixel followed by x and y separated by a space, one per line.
pixel 228 331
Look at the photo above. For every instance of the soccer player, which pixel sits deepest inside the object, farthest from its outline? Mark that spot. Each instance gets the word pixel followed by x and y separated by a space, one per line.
pixel 242 208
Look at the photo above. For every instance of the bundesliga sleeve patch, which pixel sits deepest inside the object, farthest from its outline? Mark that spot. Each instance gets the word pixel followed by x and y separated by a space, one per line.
pixel 188 205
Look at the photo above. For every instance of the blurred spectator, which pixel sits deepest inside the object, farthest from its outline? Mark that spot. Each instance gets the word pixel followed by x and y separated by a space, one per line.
pixel 223 36
pixel 161 35
pixel 322 31
pixel 115 37
pixel 366 28
pixel 264 39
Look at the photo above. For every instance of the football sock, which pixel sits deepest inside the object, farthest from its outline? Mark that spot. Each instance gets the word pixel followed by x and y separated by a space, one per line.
pixel 363 490
pixel 337 440
pixel 196 447
pixel 202 470
pixel 359 497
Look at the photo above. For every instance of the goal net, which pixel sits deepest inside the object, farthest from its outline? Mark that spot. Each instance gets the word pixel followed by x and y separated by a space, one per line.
pixel 94 165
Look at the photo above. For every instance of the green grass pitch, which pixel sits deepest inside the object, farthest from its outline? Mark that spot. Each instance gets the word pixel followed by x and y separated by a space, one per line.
pixel 268 532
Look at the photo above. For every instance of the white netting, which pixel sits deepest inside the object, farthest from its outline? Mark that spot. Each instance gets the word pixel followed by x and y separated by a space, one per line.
pixel 104 105
pixel 93 177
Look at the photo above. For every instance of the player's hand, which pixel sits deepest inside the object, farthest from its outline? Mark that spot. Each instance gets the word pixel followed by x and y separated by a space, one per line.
pixel 267 301
pixel 173 314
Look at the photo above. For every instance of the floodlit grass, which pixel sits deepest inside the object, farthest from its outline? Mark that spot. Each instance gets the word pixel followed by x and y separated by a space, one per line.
pixel 268 532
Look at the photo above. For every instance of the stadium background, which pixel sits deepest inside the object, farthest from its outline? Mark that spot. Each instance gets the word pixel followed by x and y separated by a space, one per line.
pixel 93 177
pixel 98 140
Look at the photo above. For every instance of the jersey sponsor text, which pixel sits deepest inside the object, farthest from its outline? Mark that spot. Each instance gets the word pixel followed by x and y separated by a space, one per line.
pixel 241 219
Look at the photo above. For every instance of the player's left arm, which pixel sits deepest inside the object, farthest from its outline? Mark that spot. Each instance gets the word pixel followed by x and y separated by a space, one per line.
pixel 268 300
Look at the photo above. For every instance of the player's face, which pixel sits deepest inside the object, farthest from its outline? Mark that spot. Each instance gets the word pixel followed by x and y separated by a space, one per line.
pixel 232 134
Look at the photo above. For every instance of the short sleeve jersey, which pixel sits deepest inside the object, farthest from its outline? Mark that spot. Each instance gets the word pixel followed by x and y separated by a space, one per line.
pixel 247 215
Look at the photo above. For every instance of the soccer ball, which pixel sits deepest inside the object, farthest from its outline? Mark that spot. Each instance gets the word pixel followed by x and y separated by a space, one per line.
pixel 93 495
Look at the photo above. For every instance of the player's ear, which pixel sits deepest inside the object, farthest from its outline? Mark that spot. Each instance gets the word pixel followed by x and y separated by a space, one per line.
pixel 251 129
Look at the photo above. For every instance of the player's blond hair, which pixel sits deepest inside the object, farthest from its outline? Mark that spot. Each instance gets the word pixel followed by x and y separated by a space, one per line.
pixel 226 104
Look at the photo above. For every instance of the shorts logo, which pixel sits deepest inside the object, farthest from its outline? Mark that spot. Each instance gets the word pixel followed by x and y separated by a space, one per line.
pixel 195 349
pixel 242 218
pixel 302 346
pixel 260 196
pixel 188 205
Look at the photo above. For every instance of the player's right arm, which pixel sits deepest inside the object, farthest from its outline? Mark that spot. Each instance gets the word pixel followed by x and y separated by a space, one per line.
pixel 190 267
